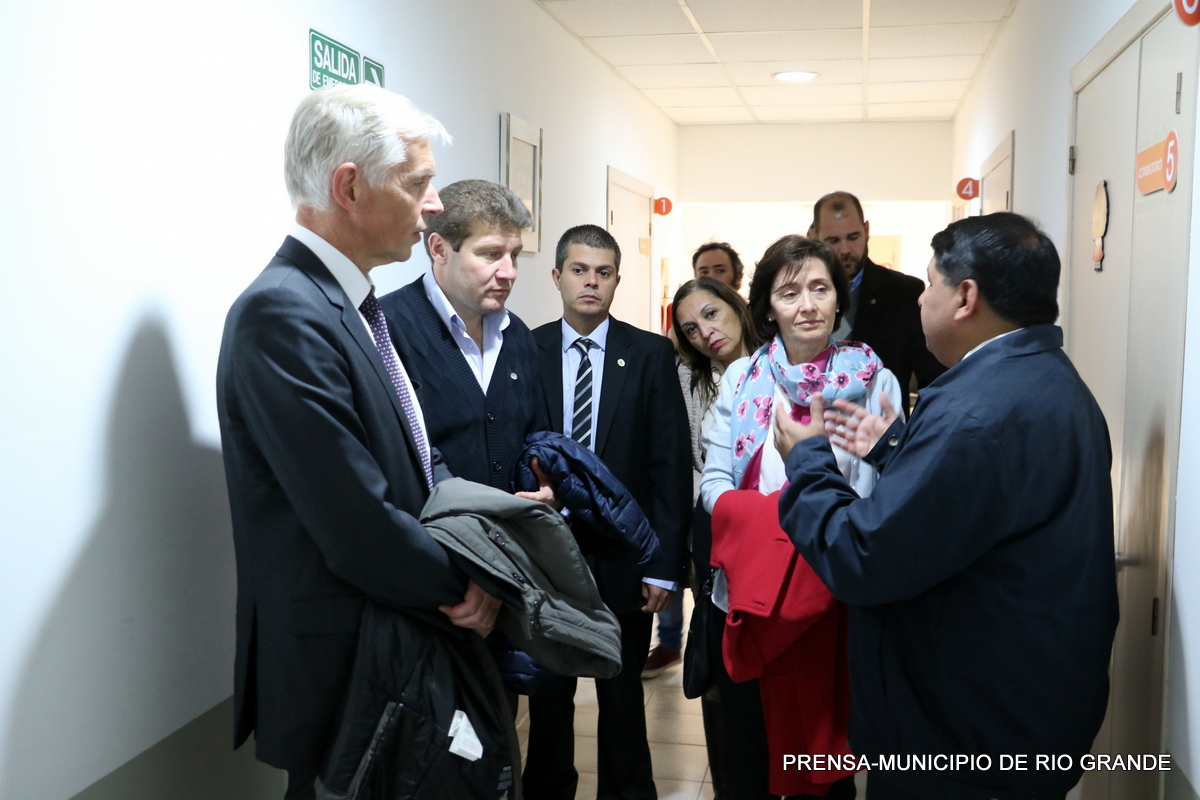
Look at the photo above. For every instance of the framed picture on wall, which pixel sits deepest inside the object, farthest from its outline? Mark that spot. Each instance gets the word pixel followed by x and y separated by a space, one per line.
pixel 521 171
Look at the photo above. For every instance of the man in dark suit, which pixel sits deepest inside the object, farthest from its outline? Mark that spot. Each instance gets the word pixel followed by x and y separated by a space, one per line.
pixel 475 362
pixel 326 455
pixel 613 388
pixel 883 312
pixel 980 572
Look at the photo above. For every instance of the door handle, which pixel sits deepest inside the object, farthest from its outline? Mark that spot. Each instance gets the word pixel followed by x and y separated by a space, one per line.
pixel 1126 561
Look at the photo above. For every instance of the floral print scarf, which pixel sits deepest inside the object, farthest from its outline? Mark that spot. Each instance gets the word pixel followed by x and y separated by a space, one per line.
pixel 842 371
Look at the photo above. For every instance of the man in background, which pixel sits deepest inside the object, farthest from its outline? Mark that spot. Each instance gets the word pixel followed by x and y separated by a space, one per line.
pixel 615 390
pixel 884 312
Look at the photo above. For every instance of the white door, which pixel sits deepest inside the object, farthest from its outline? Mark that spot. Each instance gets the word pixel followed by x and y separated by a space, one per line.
pixel 996 178
pixel 629 208
pixel 1125 328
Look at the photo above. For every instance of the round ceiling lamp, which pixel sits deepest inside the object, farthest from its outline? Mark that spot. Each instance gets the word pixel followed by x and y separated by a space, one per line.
pixel 794 76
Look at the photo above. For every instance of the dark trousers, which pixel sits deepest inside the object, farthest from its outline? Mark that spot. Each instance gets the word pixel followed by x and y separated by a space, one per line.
pixel 623 757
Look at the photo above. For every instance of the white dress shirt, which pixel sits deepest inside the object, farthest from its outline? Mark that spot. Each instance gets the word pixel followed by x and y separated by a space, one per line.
pixel 982 345
pixel 482 363
pixel 357 286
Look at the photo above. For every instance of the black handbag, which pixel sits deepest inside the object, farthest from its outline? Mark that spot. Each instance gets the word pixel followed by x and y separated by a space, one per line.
pixel 698 673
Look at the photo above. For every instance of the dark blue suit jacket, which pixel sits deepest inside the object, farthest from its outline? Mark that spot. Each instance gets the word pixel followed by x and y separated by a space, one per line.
pixel 325 486
pixel 979 572
pixel 479 436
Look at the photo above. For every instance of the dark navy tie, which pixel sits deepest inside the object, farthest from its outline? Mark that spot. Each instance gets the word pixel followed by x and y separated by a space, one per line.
pixel 581 418
pixel 371 309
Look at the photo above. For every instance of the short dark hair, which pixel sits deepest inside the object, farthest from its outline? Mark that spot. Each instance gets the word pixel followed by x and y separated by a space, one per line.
pixel 727 249
pixel 787 256
pixel 589 236
pixel 700 364
pixel 837 202
pixel 474 204
pixel 1014 263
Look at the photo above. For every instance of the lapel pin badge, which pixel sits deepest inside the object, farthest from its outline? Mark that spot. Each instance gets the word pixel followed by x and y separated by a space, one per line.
pixel 620 362
pixel 512 375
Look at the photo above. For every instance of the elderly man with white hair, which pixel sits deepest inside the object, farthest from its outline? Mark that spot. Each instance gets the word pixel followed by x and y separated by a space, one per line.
pixel 326 455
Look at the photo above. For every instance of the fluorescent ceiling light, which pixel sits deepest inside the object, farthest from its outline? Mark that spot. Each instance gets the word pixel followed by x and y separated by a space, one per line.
pixel 794 76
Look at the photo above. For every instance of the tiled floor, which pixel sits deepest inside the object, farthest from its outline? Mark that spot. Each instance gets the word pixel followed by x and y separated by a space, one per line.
pixel 674 726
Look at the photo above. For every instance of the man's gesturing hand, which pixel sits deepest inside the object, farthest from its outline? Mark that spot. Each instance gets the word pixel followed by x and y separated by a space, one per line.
pixel 789 432
pixel 856 430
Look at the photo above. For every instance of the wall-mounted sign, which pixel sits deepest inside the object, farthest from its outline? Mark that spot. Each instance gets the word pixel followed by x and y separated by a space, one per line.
pixel 968 188
pixel 1099 224
pixel 663 206
pixel 1158 165
pixel 1188 11
pixel 332 63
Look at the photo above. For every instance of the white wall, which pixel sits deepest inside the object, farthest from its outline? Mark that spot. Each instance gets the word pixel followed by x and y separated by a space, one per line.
pixel 799 163
pixel 1024 86
pixel 141 159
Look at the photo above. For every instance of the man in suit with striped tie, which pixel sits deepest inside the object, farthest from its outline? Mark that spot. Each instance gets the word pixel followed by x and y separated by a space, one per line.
pixel 614 389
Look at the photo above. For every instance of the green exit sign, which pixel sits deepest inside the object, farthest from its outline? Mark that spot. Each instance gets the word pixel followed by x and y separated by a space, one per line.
pixel 332 63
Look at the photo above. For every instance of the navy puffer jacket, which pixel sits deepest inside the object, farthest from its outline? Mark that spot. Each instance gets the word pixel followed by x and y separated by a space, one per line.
pixel 606 520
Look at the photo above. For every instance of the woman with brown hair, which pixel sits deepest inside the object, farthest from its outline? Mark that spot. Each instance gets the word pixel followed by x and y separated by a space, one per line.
pixel 784 632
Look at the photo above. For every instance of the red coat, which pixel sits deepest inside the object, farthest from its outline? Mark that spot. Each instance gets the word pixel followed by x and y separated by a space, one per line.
pixel 785 629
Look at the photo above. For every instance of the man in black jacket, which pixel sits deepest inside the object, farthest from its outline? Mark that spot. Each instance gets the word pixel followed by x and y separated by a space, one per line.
pixel 614 389
pixel 980 572
pixel 884 312
pixel 474 361
pixel 326 455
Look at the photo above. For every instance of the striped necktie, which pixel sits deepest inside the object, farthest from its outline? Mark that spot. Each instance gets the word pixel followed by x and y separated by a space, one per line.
pixel 581 418
pixel 371 309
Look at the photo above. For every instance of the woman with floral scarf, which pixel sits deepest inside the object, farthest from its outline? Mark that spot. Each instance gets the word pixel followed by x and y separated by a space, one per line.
pixel 798 296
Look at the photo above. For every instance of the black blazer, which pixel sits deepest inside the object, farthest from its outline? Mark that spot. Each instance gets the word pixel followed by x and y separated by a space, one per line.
pixel 642 435
pixel 324 487
pixel 888 318
pixel 479 436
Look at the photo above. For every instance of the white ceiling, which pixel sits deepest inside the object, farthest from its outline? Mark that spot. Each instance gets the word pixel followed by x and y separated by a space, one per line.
pixel 711 61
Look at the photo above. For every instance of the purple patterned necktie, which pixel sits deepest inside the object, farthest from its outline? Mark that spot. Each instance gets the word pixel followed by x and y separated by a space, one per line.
pixel 371 309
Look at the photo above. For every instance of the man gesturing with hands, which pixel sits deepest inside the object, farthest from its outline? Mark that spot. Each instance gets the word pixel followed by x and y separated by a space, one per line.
pixel 980 571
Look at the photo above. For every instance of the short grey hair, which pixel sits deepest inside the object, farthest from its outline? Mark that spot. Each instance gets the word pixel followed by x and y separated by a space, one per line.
pixel 473 204
pixel 361 124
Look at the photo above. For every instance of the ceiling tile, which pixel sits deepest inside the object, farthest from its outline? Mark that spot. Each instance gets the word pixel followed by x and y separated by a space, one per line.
pixel 886 13
pixel 941 68
pixel 717 16
pixel 943 110
pixel 758 73
pixel 923 91
pixel 969 38
pixel 669 76
pixel 780 95
pixel 808 113
pixel 668 49
pixel 789 45
pixel 619 17
pixel 679 98
pixel 710 115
